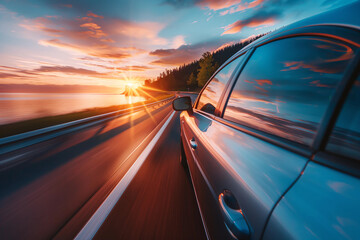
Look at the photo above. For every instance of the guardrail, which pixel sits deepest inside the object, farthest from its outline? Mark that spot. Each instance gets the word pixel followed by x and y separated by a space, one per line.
pixel 26 137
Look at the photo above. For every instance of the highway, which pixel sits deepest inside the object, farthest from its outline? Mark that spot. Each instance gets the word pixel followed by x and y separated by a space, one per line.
pixel 63 184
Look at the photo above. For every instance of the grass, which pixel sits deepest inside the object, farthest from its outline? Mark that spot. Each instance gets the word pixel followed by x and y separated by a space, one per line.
pixel 38 123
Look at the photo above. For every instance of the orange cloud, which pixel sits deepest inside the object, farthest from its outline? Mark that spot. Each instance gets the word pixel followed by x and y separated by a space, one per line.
pixel 216 4
pixel 91 39
pixel 138 68
pixel 144 32
pixel 242 7
pixel 100 51
pixel 88 19
pixel 68 70
pixel 224 46
pixel 252 22
pixel 41 24
pixel 95 41
pixel 8 75
pixel 92 26
pixel 179 56
pixel 90 14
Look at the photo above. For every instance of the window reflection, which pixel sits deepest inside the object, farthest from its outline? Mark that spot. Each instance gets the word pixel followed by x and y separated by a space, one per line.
pixel 345 138
pixel 212 93
pixel 286 86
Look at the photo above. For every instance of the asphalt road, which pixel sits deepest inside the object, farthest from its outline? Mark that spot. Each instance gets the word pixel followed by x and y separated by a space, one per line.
pixel 63 181
pixel 159 203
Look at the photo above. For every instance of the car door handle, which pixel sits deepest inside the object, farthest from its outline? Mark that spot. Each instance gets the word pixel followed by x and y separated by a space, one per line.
pixel 234 217
pixel 193 143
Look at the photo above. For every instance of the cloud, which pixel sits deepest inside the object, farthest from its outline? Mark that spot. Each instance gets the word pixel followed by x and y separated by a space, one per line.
pixel 256 20
pixel 98 39
pixel 141 33
pixel 90 14
pixel 89 25
pixel 181 55
pixel 107 41
pixel 242 7
pixel 100 51
pixel 211 4
pixel 184 54
pixel 13 72
pixel 41 24
pixel 68 70
pixel 58 71
pixel 50 88
pixel 216 4
pixel 8 75
pixel 137 68
pixel 178 41
pixel 264 13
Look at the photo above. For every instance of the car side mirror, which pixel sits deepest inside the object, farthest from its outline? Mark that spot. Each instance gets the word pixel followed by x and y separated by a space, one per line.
pixel 182 104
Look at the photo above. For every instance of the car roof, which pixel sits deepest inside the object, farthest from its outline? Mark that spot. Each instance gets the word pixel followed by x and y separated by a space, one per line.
pixel 346 16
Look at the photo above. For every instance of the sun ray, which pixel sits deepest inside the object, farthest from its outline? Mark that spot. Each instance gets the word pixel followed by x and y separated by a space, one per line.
pixel 145 107
pixel 147 94
pixel 153 89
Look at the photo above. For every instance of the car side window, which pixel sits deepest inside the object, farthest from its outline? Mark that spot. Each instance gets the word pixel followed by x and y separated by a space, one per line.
pixel 212 93
pixel 286 86
pixel 345 137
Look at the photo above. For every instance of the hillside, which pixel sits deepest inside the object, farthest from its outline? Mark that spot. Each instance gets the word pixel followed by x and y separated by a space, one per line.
pixel 178 78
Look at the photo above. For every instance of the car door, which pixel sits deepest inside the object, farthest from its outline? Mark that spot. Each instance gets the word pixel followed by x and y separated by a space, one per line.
pixel 323 203
pixel 209 100
pixel 255 150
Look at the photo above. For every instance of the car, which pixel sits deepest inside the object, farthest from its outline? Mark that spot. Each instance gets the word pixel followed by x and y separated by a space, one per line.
pixel 272 142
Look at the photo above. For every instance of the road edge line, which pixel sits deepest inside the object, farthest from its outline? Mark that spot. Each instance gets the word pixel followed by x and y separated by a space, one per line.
pixel 100 215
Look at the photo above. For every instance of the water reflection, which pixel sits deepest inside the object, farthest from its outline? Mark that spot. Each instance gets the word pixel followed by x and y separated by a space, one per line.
pixel 286 86
pixel 21 106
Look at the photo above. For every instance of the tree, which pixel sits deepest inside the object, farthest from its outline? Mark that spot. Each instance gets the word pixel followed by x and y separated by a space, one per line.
pixel 207 68
pixel 179 78
pixel 192 82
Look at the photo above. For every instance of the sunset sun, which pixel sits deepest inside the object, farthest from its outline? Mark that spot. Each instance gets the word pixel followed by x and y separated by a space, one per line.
pixel 132 85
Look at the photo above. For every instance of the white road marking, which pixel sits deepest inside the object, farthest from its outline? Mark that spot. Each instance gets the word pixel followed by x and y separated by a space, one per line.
pixel 98 218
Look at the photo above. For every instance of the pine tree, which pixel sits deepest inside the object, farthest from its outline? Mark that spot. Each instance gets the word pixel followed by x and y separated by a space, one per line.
pixel 192 82
pixel 207 68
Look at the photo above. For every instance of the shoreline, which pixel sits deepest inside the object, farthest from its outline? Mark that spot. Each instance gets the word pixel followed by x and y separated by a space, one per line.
pixel 14 128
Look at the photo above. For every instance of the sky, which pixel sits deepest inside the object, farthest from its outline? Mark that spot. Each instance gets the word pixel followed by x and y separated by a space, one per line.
pixel 112 42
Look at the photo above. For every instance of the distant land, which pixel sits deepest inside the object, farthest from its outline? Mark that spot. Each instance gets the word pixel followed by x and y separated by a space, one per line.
pixel 29 88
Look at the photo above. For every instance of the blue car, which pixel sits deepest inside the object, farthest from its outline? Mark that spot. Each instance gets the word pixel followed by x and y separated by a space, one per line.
pixel 272 142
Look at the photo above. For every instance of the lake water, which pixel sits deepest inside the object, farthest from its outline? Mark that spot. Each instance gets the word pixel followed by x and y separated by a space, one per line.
pixel 15 107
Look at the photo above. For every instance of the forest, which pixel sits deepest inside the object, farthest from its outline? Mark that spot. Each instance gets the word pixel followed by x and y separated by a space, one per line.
pixel 193 76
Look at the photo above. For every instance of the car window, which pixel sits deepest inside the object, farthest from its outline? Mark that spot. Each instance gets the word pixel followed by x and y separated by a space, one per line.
pixel 212 93
pixel 345 137
pixel 286 86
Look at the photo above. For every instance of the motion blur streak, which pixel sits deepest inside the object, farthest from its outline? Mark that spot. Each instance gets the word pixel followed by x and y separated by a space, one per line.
pixel 159 203
pixel 62 183
pixel 100 215
pixel 69 176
